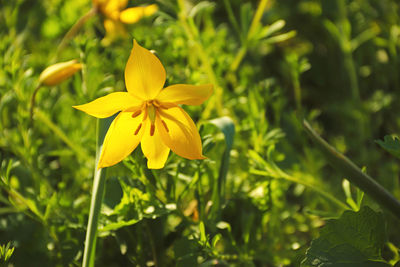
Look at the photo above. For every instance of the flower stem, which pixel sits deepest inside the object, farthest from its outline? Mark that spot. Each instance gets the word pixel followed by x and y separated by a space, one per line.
pixel 354 174
pixel 97 199
pixel 75 28
pixel 33 99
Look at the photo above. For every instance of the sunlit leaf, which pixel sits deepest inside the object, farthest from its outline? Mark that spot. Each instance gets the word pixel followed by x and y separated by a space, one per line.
pixel 355 239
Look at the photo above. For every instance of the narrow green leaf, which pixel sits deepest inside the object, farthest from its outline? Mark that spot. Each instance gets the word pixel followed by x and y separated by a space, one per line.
pixel 203 236
pixel 227 127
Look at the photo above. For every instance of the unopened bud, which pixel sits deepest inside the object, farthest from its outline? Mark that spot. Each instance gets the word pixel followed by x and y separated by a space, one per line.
pixel 59 72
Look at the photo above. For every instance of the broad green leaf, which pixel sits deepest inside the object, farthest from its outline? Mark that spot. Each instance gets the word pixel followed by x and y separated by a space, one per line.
pixel 355 239
pixel 391 144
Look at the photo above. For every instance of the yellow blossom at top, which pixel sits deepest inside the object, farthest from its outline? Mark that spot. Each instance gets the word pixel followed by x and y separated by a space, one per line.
pixel 149 115
pixel 115 13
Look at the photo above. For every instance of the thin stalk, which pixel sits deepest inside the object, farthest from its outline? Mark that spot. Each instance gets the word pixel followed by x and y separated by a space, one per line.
pixel 152 244
pixel 257 18
pixel 354 174
pixel 253 27
pixel 192 35
pixel 349 67
pixel 97 199
pixel 232 18
pixel 75 28
pixel 296 180
pixel 33 99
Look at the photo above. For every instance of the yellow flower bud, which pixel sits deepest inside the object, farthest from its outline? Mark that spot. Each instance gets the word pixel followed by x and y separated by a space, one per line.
pixel 59 72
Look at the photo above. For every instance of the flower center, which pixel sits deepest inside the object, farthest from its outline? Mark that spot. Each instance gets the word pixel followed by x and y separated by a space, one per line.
pixel 150 109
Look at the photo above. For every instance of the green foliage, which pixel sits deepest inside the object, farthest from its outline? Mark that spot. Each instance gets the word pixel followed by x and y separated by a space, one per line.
pixel 263 192
pixel 6 252
pixel 391 144
pixel 355 239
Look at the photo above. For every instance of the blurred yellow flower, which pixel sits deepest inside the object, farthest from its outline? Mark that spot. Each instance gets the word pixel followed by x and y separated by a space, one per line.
pixel 59 72
pixel 115 15
pixel 149 114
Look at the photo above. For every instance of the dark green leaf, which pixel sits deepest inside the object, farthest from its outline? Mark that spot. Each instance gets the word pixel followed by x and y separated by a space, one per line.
pixel 391 144
pixel 355 239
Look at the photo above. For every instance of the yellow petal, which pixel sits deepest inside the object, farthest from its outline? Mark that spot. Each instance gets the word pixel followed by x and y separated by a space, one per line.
pixel 179 133
pixel 59 72
pixel 114 30
pixel 134 14
pixel 121 139
pixel 108 105
pixel 144 73
pixel 111 8
pixel 150 10
pixel 186 94
pixel 154 149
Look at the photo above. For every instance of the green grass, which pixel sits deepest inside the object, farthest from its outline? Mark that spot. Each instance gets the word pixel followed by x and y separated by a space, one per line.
pixel 265 190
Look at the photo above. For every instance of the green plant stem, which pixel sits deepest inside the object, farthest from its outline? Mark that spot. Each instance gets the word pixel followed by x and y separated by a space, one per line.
pixel 316 188
pixel 193 36
pixel 74 29
pixel 343 25
pixel 232 18
pixel 97 199
pixel 252 30
pixel 257 18
pixel 354 174
pixel 33 99
pixel 350 69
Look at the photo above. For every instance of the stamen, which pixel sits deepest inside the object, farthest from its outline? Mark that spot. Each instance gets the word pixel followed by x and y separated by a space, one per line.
pixel 136 113
pixel 167 105
pixel 156 104
pixel 152 129
pixel 138 129
pixel 165 126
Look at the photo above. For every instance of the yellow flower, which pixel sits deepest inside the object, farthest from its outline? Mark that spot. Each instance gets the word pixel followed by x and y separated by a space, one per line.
pixel 115 15
pixel 59 72
pixel 149 114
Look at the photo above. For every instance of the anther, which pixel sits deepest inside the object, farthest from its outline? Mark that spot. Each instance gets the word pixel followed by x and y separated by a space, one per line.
pixel 138 129
pixel 165 125
pixel 152 129
pixel 136 113
pixel 156 104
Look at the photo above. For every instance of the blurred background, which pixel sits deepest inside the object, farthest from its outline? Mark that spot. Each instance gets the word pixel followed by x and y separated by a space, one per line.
pixel 335 63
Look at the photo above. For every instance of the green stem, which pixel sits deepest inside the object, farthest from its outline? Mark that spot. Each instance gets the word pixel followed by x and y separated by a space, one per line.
pixel 74 29
pixel 232 17
pixel 253 27
pixel 97 199
pixel 193 36
pixel 354 174
pixel 350 69
pixel 257 18
pixel 297 180
pixel 343 25
pixel 33 99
